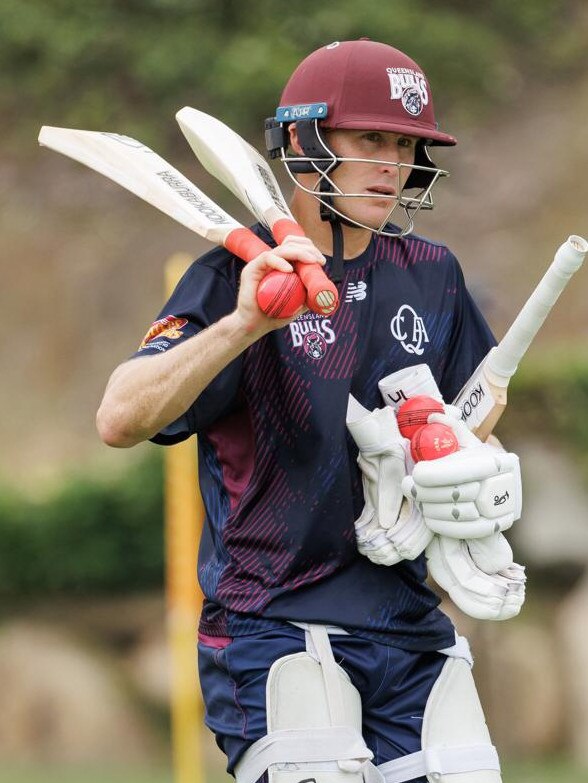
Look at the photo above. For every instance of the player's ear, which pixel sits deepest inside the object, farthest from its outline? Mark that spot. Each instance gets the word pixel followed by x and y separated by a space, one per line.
pixel 294 143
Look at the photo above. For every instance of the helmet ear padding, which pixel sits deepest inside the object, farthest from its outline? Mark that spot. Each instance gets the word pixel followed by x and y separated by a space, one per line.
pixel 276 137
pixel 313 145
pixel 418 178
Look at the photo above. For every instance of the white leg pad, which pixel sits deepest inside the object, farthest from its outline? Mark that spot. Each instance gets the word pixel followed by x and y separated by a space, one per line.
pixel 456 745
pixel 313 721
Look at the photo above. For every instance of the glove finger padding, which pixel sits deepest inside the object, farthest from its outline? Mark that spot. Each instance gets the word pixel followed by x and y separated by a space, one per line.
pixel 498 596
pixel 463 493
pixel 469 494
pixel 389 529
pixel 406 540
pixel 382 476
pixel 410 535
pixel 464 466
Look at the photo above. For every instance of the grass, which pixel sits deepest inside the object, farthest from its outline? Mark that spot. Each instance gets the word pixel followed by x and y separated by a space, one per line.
pixel 26 774
pixel 552 770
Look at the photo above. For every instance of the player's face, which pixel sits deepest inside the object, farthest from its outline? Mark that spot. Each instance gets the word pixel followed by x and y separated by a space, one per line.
pixel 376 180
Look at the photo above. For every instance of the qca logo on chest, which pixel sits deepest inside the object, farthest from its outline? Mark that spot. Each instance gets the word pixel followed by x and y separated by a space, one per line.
pixel 409 329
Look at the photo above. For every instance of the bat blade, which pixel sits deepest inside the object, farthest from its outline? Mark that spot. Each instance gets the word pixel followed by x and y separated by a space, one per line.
pixel 237 164
pixel 483 398
pixel 143 172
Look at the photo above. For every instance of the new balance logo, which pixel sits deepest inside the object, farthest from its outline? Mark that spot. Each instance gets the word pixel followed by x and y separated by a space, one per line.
pixel 357 291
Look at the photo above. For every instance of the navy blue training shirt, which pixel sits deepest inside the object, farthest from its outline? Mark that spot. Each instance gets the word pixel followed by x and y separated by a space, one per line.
pixel 277 468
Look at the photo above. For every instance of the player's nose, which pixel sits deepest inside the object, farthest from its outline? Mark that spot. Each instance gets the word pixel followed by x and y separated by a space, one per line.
pixel 391 158
pixel 389 167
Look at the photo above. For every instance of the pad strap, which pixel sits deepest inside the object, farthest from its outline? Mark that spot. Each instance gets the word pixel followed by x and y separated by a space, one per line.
pixel 338 743
pixel 297 746
pixel 435 762
pixel 319 647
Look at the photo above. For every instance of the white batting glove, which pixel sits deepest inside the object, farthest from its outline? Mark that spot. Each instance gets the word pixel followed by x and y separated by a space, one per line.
pixel 479 574
pixel 491 554
pixel 390 528
pixel 493 596
pixel 470 494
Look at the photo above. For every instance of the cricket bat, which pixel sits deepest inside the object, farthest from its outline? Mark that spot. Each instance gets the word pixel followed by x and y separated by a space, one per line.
pixel 240 167
pixel 483 398
pixel 143 172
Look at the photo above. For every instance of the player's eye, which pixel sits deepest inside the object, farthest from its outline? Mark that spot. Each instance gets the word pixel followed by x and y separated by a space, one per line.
pixel 373 136
pixel 404 141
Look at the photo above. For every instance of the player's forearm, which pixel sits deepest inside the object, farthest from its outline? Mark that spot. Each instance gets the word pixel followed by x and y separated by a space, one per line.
pixel 144 395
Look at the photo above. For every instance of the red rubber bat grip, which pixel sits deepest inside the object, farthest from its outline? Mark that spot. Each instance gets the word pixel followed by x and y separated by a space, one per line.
pixel 323 296
pixel 284 227
pixel 243 243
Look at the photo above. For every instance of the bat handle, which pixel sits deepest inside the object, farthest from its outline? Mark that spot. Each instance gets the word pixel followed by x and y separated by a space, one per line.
pixel 323 296
pixel 244 244
pixel 504 359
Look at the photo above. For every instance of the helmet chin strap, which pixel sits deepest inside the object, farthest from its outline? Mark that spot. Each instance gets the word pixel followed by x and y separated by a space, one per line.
pixel 336 221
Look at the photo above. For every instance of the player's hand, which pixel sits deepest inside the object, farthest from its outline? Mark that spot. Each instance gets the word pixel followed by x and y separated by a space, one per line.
pixel 279 259
pixel 469 494
pixel 303 249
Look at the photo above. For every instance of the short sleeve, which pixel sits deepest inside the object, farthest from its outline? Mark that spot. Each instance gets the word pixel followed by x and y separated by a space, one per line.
pixel 206 293
pixel 470 341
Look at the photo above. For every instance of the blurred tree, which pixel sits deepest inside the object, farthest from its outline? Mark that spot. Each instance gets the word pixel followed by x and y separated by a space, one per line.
pixel 91 537
pixel 94 537
pixel 128 65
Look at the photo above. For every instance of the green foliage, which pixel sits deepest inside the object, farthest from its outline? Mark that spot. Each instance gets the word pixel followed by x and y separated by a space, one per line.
pixel 534 770
pixel 91 537
pixel 551 400
pixel 94 537
pixel 128 65
pixel 544 770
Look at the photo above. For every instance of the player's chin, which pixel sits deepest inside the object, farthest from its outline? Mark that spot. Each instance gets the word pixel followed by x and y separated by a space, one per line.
pixel 375 212
pixel 379 204
pixel 369 212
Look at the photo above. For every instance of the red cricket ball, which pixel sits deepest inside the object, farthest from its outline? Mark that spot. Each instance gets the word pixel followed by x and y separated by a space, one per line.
pixel 414 413
pixel 281 294
pixel 432 442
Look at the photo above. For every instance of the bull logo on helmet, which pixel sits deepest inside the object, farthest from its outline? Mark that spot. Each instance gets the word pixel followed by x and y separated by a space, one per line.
pixel 412 101
pixel 410 87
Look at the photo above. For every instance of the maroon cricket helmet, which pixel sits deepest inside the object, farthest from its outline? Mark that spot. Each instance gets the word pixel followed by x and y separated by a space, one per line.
pixel 367 85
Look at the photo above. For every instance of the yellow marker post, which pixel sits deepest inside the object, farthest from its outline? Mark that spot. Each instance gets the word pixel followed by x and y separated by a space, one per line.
pixel 184 513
